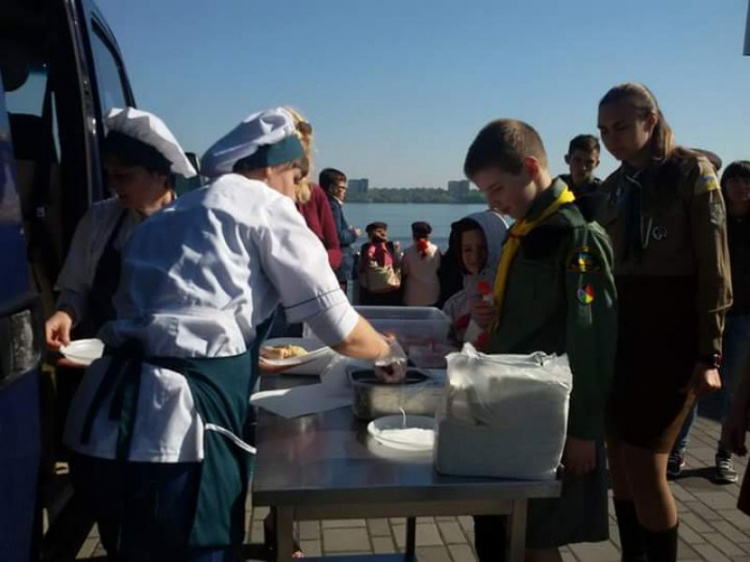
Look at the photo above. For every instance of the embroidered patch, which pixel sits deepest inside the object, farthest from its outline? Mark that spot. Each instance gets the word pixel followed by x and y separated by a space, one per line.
pixel 706 184
pixel 582 260
pixel 717 214
pixel 586 294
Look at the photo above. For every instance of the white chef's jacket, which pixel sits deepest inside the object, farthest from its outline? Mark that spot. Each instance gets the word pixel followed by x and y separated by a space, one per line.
pixel 198 278
pixel 90 239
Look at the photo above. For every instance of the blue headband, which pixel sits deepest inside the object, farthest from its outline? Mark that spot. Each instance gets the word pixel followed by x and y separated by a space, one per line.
pixel 286 150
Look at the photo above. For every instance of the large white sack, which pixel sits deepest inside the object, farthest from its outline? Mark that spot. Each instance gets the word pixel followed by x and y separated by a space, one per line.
pixel 504 416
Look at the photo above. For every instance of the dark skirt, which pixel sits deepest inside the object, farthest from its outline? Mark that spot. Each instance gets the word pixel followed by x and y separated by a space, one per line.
pixel 657 348
pixel 579 515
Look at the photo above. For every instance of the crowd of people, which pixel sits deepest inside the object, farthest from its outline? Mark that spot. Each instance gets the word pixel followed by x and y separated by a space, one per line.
pixel 630 277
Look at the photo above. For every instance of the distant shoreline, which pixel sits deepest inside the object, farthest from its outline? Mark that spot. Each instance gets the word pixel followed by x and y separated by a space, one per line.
pixel 482 202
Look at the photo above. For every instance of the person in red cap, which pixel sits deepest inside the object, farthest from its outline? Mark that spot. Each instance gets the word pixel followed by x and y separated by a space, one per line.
pixel 419 268
pixel 379 268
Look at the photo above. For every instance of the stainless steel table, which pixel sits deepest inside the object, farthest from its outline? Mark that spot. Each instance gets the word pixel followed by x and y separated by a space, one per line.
pixel 325 466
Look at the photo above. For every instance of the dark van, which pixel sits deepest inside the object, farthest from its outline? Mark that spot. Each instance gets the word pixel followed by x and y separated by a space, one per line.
pixel 61 70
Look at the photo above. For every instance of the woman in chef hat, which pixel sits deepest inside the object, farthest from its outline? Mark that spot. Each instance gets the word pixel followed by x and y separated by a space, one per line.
pixel 158 425
pixel 141 158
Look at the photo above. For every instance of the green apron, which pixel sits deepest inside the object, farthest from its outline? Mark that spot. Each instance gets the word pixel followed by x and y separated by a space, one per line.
pixel 221 389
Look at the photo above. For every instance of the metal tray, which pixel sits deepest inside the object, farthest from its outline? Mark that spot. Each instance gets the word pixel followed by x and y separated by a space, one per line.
pixel 418 394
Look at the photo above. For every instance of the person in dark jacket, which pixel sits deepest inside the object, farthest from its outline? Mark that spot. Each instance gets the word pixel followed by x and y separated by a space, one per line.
pixel 333 182
pixel 583 160
pixel 735 187
pixel 665 215
pixel 554 292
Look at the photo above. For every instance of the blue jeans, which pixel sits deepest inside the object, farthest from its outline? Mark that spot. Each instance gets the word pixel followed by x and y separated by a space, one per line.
pixel 144 511
pixel 736 350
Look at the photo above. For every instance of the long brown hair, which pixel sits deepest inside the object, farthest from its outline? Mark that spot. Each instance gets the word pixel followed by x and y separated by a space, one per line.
pixel 644 102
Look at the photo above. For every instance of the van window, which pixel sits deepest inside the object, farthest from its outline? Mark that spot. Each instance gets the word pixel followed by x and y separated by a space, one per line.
pixel 108 76
pixel 29 98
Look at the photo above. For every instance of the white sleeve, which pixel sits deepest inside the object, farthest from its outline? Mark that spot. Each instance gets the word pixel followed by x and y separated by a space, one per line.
pixel 74 281
pixel 296 263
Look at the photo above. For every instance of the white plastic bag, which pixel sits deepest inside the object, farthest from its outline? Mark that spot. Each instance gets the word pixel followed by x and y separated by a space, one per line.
pixel 504 416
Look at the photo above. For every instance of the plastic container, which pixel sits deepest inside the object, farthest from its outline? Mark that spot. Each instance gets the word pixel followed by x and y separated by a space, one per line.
pixel 413 325
pixel 430 356
pixel 404 433
pixel 83 352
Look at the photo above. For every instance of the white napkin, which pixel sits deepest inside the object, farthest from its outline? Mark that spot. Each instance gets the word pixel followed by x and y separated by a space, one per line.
pixel 331 393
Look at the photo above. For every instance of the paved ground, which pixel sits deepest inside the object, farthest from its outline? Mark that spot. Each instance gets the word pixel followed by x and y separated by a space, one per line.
pixel 711 527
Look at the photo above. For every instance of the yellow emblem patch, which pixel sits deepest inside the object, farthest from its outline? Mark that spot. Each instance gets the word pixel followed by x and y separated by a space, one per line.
pixel 706 184
pixel 582 260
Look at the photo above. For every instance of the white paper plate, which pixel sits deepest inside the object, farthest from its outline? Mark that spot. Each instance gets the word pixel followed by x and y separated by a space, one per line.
pixel 319 355
pixel 390 431
pixel 83 352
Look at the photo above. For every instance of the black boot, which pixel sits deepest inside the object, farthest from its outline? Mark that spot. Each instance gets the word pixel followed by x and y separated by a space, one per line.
pixel 661 546
pixel 631 534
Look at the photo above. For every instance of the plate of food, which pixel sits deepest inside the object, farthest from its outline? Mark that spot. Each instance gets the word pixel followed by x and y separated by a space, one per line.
pixel 301 356
pixel 83 352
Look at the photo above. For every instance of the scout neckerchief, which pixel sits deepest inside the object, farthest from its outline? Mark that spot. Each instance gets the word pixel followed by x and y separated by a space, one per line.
pixel 520 229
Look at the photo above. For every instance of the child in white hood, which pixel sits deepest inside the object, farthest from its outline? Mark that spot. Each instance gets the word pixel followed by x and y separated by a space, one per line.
pixel 477 241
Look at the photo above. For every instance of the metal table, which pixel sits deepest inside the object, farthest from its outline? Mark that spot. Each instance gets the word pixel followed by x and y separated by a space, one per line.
pixel 325 466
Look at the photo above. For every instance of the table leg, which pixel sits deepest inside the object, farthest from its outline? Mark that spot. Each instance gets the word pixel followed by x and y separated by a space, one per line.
pixel 516 530
pixel 284 534
pixel 411 539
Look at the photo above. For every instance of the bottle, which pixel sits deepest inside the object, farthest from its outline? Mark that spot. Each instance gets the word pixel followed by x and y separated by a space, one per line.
pixel 475 334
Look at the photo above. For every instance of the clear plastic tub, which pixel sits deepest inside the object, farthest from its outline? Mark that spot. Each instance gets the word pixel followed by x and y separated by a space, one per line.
pixel 413 325
pixel 430 356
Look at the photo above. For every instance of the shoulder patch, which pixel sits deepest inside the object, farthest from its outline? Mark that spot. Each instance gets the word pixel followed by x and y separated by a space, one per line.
pixel 706 184
pixel 717 213
pixel 585 294
pixel 582 260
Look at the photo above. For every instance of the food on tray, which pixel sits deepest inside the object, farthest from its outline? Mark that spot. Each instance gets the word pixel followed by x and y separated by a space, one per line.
pixel 283 351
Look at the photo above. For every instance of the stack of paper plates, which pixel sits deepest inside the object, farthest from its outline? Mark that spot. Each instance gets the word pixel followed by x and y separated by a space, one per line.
pixel 83 352
pixel 406 433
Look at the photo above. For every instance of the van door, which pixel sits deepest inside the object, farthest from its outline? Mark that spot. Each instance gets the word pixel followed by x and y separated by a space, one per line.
pixel 20 355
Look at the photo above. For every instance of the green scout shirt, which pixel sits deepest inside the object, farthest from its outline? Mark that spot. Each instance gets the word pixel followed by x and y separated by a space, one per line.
pixel 678 229
pixel 560 298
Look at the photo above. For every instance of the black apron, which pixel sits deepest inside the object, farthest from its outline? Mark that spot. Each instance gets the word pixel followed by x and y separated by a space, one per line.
pixel 221 389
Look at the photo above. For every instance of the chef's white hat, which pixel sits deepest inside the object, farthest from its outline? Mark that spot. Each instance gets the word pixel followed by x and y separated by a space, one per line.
pixel 149 129
pixel 263 139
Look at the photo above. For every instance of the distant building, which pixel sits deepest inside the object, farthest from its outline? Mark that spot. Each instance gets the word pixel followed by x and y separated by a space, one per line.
pixel 458 189
pixel 359 187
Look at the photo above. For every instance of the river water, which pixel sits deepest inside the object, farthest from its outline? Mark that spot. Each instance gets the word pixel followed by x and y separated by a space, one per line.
pixel 399 217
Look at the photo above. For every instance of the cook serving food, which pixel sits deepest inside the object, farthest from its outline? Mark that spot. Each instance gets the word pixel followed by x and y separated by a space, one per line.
pixel 163 415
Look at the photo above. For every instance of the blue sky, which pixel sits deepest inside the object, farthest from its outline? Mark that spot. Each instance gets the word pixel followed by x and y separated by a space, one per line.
pixel 397 89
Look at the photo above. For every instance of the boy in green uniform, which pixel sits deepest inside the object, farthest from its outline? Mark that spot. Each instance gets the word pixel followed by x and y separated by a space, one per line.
pixel 583 160
pixel 555 293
